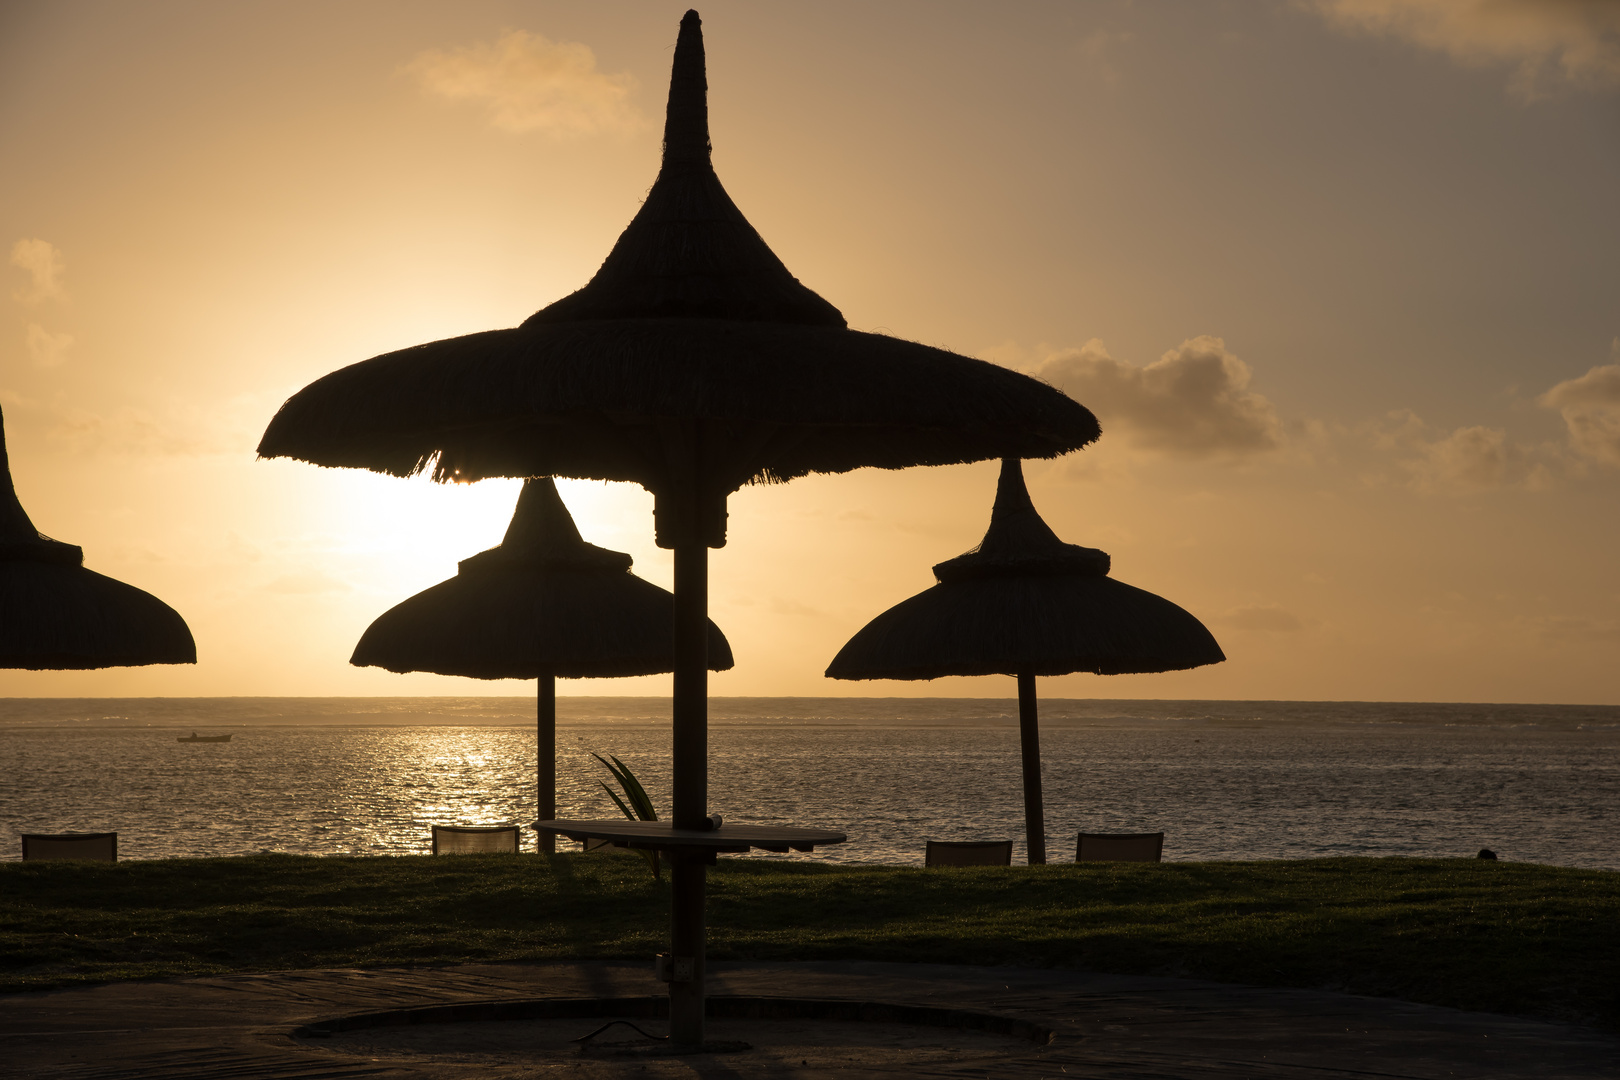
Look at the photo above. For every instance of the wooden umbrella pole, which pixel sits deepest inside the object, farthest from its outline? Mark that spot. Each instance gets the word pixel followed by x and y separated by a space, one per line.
pixel 690 706
pixel 691 775
pixel 545 765
pixel 1029 737
pixel 686 941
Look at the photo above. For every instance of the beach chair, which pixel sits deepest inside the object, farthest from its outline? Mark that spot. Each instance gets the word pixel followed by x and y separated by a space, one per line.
pixel 97 846
pixel 968 853
pixel 475 839
pixel 1119 847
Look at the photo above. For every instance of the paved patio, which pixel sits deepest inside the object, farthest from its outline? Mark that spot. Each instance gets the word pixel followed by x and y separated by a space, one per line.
pixel 244 1026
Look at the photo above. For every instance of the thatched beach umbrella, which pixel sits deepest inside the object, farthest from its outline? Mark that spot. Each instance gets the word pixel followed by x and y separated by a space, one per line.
pixel 692 363
pixel 1025 603
pixel 542 605
pixel 57 616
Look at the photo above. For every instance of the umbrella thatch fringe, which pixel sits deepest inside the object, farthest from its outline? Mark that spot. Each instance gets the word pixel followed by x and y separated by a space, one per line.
pixel 587 400
pixel 56 617
pixel 1038 625
pixel 575 626
pixel 689 252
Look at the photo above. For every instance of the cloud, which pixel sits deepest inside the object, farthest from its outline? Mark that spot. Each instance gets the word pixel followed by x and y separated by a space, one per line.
pixel 529 83
pixel 1267 618
pixel 1479 458
pixel 46 349
pixel 1099 50
pixel 783 605
pixel 1194 401
pixel 1574 41
pixel 1469 457
pixel 1473 458
pixel 1563 630
pixel 1590 406
pixel 43 261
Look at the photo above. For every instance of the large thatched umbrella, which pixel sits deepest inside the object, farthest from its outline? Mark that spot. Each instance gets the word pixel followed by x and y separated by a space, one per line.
pixel 542 605
pixel 55 615
pixel 692 363
pixel 1025 603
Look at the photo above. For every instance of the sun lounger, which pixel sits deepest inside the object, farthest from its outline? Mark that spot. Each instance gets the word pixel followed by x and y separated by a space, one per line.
pixel 99 846
pixel 968 853
pixel 1119 847
pixel 475 839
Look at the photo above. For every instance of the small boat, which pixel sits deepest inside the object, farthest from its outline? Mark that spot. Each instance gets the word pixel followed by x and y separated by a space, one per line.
pixel 194 737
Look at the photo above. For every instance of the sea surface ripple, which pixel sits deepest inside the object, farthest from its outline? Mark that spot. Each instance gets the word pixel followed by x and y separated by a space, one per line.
pixel 1222 780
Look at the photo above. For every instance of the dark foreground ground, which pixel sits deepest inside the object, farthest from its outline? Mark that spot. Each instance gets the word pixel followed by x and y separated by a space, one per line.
pixel 1510 938
pixel 1054 1024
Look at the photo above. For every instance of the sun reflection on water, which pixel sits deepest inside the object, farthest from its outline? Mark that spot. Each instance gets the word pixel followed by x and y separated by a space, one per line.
pixel 1218 793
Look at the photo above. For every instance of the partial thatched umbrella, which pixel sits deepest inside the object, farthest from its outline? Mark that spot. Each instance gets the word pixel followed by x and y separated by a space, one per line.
pixel 692 363
pixel 57 616
pixel 1025 603
pixel 543 605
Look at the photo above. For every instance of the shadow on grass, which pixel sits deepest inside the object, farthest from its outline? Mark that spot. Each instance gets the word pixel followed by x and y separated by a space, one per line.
pixel 1506 937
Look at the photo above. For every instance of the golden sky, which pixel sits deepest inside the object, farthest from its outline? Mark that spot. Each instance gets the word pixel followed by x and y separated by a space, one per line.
pixel 1341 279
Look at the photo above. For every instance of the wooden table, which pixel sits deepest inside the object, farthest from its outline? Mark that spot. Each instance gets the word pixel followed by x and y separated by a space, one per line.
pixel 689 852
pixel 663 836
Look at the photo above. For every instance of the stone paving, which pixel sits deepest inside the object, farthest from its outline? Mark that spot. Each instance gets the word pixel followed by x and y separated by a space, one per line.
pixel 247 1026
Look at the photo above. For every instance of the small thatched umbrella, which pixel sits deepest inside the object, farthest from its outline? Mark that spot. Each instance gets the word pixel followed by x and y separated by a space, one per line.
pixel 1025 603
pixel 543 605
pixel 57 616
pixel 692 363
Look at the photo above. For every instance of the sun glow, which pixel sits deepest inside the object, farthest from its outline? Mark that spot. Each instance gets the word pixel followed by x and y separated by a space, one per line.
pixel 390 537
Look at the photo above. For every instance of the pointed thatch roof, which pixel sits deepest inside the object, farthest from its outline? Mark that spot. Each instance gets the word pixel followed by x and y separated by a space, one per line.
pixel 1019 543
pixel 689 253
pixel 1024 601
pixel 544 602
pixel 19 540
pixel 56 615
pixel 542 536
pixel 691 323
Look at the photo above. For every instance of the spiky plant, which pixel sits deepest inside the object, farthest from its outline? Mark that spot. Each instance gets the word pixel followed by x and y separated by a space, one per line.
pixel 634 804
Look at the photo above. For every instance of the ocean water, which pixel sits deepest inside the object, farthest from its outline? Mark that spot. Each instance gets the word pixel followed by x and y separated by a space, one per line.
pixel 1221 779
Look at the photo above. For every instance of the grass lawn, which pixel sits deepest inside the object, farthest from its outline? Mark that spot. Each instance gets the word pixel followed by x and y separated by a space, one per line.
pixel 1505 937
